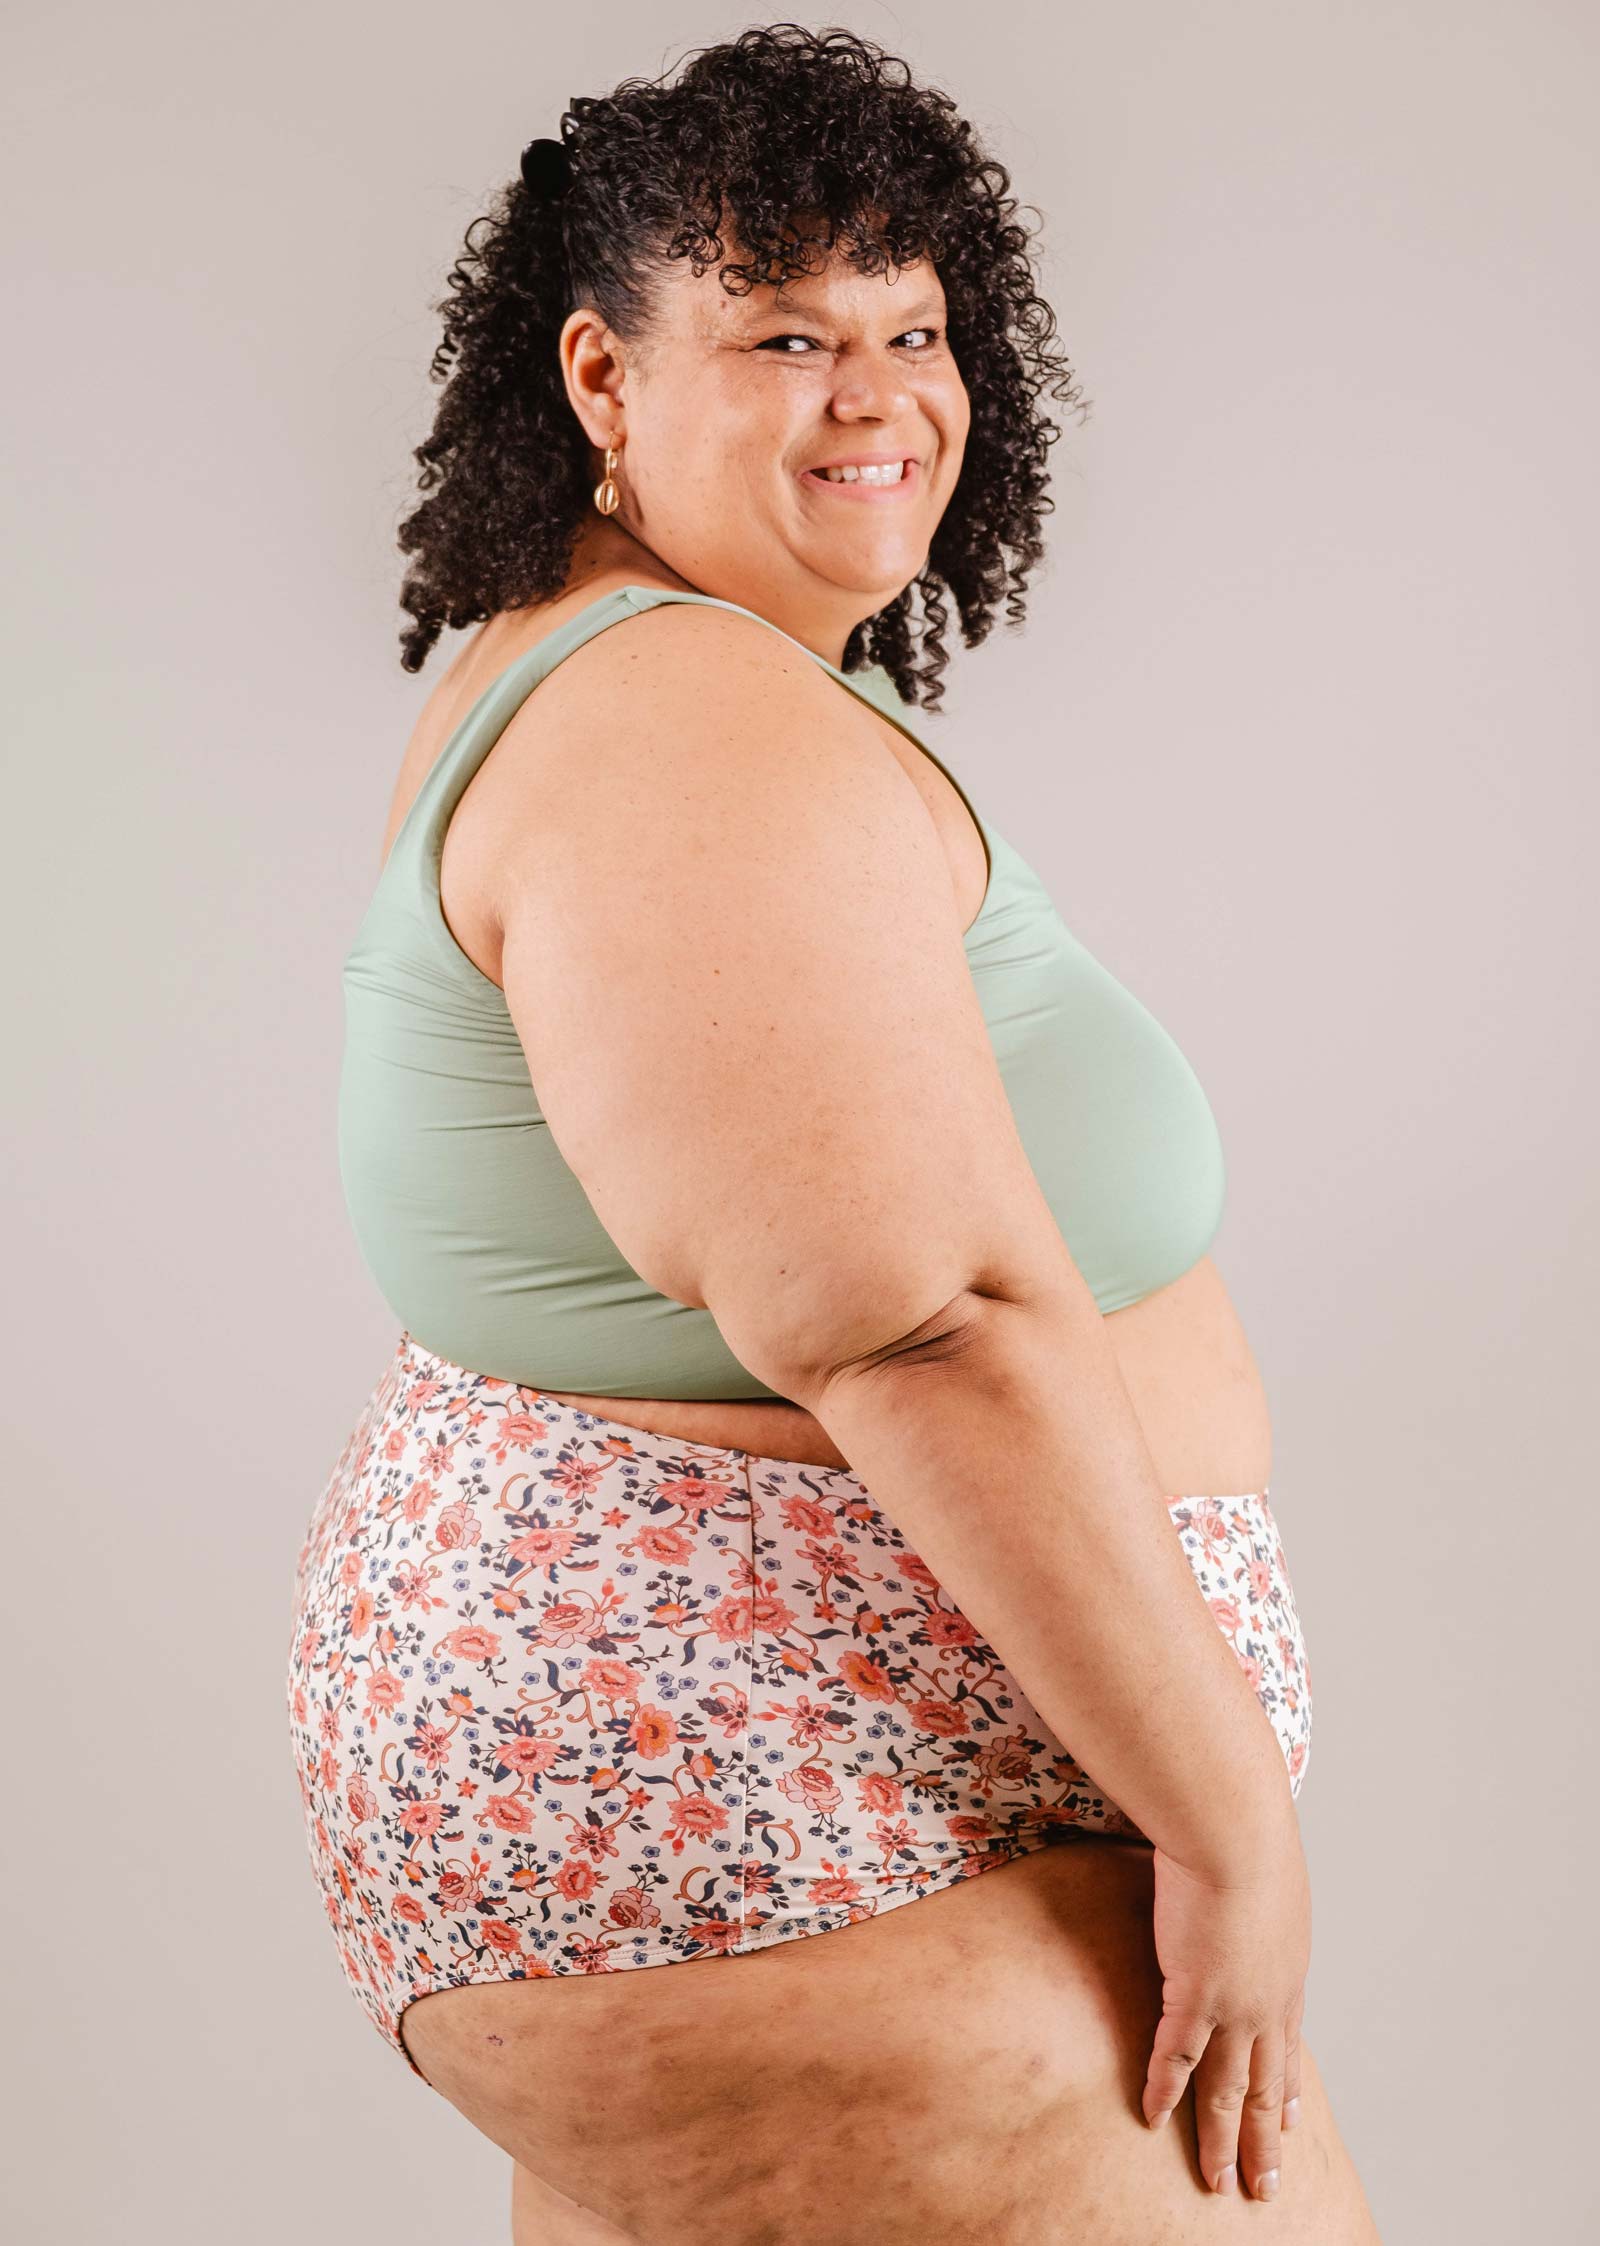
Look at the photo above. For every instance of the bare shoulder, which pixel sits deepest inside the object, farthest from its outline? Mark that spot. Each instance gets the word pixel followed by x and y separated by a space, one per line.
pixel 681 657
pixel 680 700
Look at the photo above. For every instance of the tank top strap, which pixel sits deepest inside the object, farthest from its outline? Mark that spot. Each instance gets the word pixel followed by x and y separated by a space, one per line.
pixel 412 865
pixel 409 878
pixel 877 690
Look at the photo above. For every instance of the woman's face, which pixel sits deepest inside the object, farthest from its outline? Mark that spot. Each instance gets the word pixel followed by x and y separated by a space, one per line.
pixel 736 405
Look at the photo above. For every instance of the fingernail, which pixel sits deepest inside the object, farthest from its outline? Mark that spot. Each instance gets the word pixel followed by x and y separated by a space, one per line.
pixel 1228 2180
pixel 1291 2113
pixel 1267 2183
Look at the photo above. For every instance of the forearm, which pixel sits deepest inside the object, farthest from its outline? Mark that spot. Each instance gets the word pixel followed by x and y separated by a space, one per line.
pixel 1016 1468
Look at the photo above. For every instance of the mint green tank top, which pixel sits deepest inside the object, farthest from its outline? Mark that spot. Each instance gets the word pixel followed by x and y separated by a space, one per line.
pixel 480 1237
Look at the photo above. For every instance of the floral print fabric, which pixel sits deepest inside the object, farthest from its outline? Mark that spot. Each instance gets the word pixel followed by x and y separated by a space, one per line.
pixel 567 1697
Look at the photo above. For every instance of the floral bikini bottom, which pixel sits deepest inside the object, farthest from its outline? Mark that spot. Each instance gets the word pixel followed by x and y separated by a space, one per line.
pixel 567 1697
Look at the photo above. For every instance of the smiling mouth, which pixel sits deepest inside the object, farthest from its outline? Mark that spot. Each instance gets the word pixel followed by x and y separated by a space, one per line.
pixel 888 481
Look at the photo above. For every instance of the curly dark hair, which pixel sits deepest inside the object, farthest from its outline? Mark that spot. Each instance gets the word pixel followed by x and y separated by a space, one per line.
pixel 777 123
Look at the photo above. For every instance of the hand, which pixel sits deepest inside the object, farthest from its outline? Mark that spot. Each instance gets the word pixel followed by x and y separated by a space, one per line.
pixel 1234 1953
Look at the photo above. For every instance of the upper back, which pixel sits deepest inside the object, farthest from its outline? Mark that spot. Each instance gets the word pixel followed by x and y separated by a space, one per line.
pixel 481 1236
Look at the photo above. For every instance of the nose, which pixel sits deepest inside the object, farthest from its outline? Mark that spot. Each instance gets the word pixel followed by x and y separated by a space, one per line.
pixel 869 386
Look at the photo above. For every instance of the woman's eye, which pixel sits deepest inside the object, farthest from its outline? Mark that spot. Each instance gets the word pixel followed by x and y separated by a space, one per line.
pixel 774 342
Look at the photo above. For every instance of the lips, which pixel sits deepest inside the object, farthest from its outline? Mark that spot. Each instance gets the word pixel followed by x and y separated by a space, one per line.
pixel 907 482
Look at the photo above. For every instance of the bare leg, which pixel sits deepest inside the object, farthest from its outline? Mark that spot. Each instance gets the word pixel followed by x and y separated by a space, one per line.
pixel 543 2216
pixel 966 2067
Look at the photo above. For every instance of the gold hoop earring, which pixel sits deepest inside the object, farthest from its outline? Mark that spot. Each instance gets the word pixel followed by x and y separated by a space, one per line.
pixel 607 497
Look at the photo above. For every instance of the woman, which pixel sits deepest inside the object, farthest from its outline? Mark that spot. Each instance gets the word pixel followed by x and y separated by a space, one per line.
pixel 791 1489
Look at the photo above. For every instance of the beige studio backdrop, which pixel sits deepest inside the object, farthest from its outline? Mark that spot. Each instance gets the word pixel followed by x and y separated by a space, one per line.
pixel 1301 731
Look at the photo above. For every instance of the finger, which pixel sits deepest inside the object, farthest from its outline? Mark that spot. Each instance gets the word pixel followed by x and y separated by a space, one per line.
pixel 1291 2062
pixel 1180 2042
pixel 1221 2085
pixel 1261 2123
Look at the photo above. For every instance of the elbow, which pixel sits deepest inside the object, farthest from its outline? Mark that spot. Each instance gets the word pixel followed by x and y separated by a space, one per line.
pixel 959 1334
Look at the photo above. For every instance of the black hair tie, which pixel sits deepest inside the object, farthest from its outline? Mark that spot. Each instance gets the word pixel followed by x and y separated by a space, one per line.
pixel 546 169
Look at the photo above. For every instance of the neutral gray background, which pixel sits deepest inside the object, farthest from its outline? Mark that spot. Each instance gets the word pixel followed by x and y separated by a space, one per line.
pixel 1301 732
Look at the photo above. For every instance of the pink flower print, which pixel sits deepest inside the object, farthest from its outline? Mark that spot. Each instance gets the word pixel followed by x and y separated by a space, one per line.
pixel 835 1886
pixel 1004 1762
pixel 631 1906
pixel 696 1494
pixel 771 1614
pixel 863 1677
pixel 805 1516
pixel 809 1721
pixel 566 1622
pixel 507 1813
pixel 938 1716
pixel 421 1820
pixel 431 1746
pixel 1228 1618
pixel 502 1938
pixel 972 1832
pixel 471 1643
pixel 418 1500
pixel 812 1786
pixel 1207 1521
pixel 411 1586
pixel 362 1610
pixel 609 1680
pixel 385 1692
pixel 577 1479
pixel 462 1889
pixel 667 1547
pixel 917 1572
pixel 727 1707
pixel 731 1619
pixel 596 1842
pixel 436 1457
pixel 589 1955
pixel 542 1547
pixel 1262 1580
pixel 944 1626
pixel 516 1430
pixel 576 1881
pixel 652 1732
pixel 456 1529
pixel 876 1791
pixel 528 1755
pixel 695 1817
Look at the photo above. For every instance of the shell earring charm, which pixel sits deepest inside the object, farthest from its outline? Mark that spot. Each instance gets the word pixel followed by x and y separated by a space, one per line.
pixel 606 495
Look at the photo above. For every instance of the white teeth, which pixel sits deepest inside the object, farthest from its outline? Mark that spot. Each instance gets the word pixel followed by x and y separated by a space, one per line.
pixel 890 473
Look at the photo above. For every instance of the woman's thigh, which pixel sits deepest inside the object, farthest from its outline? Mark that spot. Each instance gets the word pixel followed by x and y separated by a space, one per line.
pixel 967 2067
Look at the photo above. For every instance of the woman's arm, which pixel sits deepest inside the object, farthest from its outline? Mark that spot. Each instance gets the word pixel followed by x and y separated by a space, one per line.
pixel 732 955
pixel 1003 1444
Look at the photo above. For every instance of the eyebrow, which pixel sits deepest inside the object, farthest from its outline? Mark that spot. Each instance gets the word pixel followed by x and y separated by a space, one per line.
pixel 926 307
